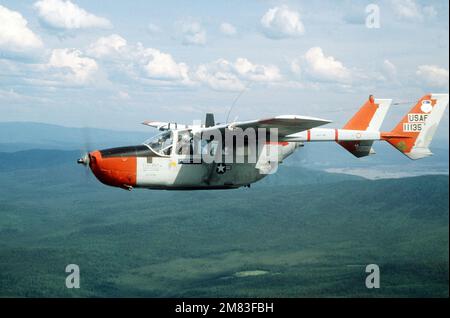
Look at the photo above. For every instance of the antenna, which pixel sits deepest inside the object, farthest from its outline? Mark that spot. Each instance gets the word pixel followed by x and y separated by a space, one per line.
pixel 236 99
pixel 403 103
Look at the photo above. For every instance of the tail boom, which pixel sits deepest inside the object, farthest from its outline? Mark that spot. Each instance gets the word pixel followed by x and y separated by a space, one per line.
pixel 330 134
pixel 412 135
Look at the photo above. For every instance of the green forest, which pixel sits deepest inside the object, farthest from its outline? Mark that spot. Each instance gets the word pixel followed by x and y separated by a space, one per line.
pixel 300 233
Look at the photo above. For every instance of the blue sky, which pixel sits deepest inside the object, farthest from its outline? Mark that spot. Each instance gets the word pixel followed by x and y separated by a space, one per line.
pixel 113 64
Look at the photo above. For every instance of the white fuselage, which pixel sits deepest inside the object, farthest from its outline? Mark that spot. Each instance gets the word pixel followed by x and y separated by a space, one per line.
pixel 160 163
pixel 176 172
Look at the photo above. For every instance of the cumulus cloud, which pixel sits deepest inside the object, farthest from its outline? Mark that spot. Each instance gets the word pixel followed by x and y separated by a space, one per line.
pixel 433 76
pixel 319 67
pixel 225 75
pixel 106 46
pixel 138 61
pixel 217 79
pixel 389 70
pixel 159 65
pixel 151 66
pixel 15 36
pixel 227 29
pixel 411 10
pixel 256 72
pixel 76 68
pixel 407 9
pixel 281 22
pixel 65 15
pixel 192 33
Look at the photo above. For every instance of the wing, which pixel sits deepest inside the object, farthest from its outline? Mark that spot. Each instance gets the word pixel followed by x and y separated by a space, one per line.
pixel 286 124
pixel 160 125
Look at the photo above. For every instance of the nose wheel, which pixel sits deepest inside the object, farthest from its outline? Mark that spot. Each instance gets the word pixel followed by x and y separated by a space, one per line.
pixel 127 187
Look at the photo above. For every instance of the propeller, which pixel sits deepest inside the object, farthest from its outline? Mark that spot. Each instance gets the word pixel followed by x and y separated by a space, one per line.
pixel 85 158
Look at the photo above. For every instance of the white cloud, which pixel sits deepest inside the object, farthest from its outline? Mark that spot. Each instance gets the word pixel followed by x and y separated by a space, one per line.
pixel 407 9
pixel 256 72
pixel 389 70
pixel 107 45
pixel 15 36
pixel 226 75
pixel 218 79
pixel 137 61
pixel 159 65
pixel 319 67
pixel 227 29
pixel 79 69
pixel 411 10
pixel 281 22
pixel 433 76
pixel 63 14
pixel 192 33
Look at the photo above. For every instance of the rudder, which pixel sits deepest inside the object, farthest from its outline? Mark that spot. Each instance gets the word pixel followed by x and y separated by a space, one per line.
pixel 413 134
pixel 369 117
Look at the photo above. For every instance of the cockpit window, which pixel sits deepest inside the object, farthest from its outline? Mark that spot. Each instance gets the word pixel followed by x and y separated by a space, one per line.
pixel 184 144
pixel 161 143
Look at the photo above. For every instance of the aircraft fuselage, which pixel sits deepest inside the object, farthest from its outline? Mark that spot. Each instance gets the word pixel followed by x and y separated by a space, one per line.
pixel 140 167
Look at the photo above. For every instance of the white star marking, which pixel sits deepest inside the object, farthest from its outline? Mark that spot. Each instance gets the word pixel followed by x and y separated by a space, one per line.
pixel 220 168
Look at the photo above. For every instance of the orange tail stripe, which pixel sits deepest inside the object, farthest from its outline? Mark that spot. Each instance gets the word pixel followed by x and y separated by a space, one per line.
pixel 362 118
pixel 405 140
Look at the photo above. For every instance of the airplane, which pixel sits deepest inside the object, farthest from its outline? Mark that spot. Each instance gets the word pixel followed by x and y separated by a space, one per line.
pixel 173 160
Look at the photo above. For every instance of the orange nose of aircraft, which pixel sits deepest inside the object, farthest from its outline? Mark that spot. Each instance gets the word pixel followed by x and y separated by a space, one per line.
pixel 114 167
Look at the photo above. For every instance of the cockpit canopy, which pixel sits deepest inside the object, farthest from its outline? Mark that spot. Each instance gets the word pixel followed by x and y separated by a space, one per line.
pixel 164 143
pixel 161 143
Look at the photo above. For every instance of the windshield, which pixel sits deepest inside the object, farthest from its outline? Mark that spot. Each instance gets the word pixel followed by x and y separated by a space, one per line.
pixel 161 143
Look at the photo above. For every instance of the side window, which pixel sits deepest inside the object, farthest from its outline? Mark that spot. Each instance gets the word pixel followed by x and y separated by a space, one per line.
pixel 184 143
pixel 209 148
pixel 167 151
